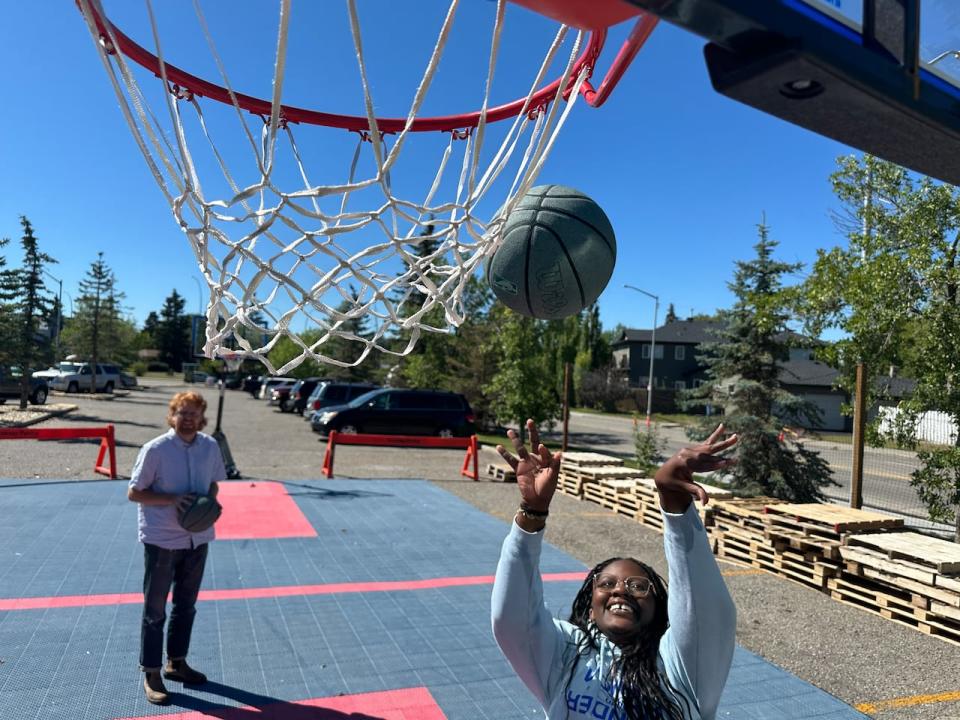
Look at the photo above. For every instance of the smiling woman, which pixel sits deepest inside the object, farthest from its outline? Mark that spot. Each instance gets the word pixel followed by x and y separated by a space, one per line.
pixel 628 649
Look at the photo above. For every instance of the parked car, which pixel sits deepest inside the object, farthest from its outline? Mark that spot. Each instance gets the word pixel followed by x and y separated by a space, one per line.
pixel 251 384
pixel 52 372
pixel 126 379
pixel 279 393
pixel 107 378
pixel 10 386
pixel 327 394
pixel 296 399
pixel 269 383
pixel 400 412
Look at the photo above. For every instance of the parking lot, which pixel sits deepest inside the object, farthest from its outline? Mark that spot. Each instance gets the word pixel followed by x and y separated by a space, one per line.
pixel 855 656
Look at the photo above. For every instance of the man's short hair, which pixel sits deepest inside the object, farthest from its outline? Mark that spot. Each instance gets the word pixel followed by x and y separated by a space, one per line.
pixel 191 397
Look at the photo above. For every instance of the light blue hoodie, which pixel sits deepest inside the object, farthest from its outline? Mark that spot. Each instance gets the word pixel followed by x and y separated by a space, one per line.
pixel 695 652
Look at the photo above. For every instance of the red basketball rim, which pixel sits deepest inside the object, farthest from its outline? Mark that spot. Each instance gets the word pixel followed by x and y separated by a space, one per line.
pixel 445 123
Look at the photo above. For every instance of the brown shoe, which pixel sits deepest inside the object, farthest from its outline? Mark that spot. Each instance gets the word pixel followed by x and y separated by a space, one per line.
pixel 154 689
pixel 180 671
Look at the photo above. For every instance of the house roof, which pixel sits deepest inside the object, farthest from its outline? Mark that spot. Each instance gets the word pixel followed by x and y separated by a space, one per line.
pixel 807 372
pixel 691 332
pixel 694 332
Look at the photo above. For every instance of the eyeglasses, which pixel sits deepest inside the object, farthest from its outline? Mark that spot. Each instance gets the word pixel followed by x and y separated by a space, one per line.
pixel 189 413
pixel 638 586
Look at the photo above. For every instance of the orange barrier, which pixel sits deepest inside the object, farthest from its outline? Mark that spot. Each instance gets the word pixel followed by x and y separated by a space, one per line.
pixel 470 443
pixel 107 441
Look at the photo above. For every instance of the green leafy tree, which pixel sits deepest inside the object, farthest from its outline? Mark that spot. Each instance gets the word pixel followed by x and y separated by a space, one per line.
pixel 89 334
pixel 426 365
pixel 520 388
pixel 30 304
pixel 173 333
pixel 893 292
pixel 474 355
pixel 743 368
pixel 671 314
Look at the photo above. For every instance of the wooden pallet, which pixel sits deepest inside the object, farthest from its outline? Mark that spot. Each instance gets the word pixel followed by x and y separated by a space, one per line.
pixel 941 555
pixel 893 606
pixel 814 517
pixel 903 568
pixel 584 459
pixel 501 473
pixel 783 537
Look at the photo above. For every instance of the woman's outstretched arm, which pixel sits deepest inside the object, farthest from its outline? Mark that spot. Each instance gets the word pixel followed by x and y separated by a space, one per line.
pixel 523 627
pixel 698 647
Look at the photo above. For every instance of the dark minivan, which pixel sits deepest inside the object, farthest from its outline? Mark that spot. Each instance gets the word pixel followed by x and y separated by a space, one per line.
pixel 391 411
pixel 327 394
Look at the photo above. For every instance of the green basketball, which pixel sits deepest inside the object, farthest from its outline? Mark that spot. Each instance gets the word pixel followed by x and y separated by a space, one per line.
pixel 557 254
pixel 203 512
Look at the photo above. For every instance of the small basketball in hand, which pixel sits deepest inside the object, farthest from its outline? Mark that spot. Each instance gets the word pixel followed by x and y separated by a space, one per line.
pixel 556 256
pixel 203 512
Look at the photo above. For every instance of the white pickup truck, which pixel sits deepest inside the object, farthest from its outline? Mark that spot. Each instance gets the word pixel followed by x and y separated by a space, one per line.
pixel 75 377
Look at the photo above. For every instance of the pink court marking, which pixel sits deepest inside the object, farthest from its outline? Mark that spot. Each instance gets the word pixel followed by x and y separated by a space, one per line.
pixel 65 601
pixel 259 510
pixel 408 704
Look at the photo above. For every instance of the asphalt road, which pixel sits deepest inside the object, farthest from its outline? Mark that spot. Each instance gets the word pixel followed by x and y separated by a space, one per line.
pixel 849 653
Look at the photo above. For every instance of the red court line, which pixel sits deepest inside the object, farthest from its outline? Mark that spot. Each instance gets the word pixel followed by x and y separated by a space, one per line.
pixel 409 704
pixel 64 601
pixel 259 510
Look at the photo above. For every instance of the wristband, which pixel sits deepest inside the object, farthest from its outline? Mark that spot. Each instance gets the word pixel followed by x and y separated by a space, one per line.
pixel 532 514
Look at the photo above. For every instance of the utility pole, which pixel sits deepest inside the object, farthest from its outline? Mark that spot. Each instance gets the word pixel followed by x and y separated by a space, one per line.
pixel 59 312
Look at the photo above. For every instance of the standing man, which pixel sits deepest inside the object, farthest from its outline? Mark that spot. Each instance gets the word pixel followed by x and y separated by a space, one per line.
pixel 170 472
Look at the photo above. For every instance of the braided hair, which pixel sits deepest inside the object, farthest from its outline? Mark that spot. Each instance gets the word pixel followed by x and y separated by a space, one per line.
pixel 640 691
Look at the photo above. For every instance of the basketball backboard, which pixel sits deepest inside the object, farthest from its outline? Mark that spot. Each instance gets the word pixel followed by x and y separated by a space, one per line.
pixel 882 76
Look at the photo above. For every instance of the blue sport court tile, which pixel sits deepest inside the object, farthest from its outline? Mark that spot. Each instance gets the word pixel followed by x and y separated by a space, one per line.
pixel 80 539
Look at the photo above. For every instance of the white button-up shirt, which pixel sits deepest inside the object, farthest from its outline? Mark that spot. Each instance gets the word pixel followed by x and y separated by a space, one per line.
pixel 170 466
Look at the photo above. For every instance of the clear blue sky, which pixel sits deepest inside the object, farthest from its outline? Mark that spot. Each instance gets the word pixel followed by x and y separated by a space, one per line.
pixel 683 173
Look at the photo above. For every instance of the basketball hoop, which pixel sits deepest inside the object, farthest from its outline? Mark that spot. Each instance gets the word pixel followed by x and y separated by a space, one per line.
pixel 232 360
pixel 271 256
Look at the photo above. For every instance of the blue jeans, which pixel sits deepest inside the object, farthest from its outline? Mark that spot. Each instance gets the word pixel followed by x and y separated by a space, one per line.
pixel 182 569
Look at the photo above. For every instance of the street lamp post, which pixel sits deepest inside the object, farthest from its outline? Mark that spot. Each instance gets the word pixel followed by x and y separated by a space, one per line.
pixel 653 347
pixel 59 310
pixel 199 295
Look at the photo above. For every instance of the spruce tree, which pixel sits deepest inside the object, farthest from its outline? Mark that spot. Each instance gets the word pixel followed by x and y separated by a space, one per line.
pixel 30 303
pixel 89 333
pixel 743 367
pixel 174 332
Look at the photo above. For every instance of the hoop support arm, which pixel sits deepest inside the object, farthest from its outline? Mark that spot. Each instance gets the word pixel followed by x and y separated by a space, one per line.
pixel 631 46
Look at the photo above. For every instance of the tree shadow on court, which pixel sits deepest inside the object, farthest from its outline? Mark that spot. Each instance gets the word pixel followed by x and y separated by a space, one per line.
pixel 257 707
pixel 100 420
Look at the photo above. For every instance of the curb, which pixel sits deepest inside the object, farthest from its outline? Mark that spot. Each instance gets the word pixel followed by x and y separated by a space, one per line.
pixel 45 416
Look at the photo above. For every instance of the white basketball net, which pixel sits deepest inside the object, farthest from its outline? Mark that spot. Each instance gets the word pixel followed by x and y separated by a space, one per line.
pixel 276 259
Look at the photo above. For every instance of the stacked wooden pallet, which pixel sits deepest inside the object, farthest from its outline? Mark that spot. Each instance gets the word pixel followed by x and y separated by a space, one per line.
pixel 907 577
pixel 798 541
pixel 648 503
pixel 610 486
pixel 737 529
pixel 501 473
pixel 580 467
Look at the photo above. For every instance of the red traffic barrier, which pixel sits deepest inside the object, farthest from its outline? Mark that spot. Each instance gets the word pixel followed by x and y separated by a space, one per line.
pixel 470 443
pixel 107 441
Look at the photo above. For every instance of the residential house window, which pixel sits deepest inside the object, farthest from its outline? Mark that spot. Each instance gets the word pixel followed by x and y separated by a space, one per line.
pixel 680 385
pixel 657 354
pixel 679 352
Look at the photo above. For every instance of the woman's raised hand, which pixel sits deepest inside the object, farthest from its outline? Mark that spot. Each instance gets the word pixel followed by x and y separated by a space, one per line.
pixel 674 479
pixel 536 471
